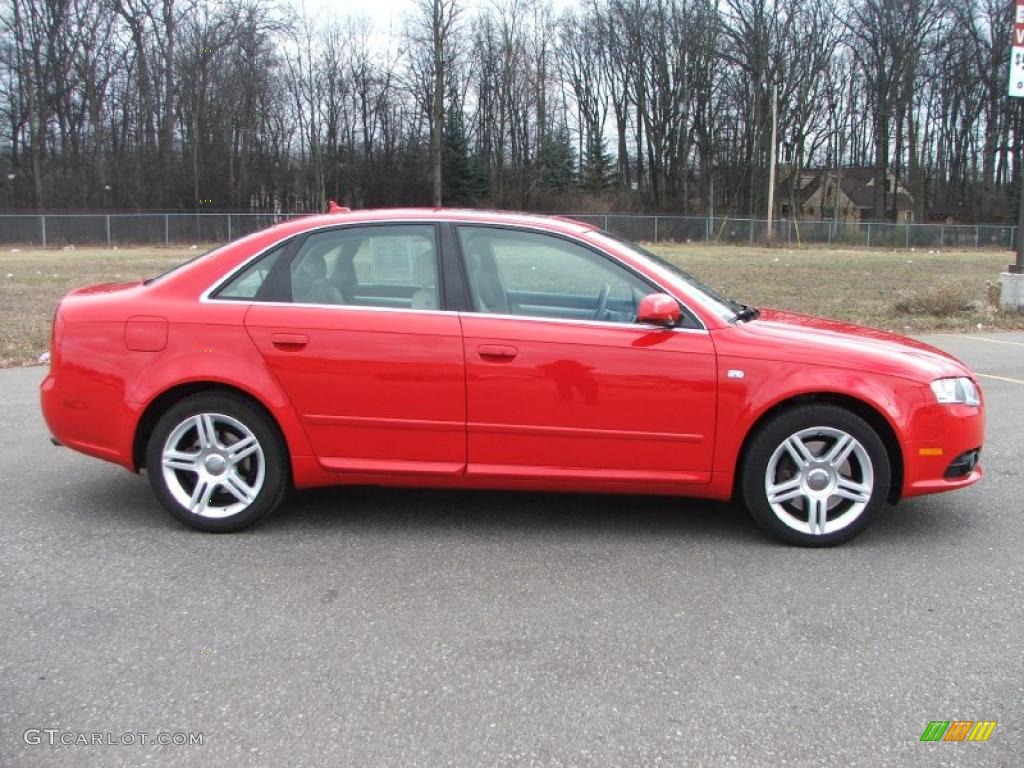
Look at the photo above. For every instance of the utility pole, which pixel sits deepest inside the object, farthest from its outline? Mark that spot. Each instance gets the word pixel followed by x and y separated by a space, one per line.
pixel 1017 268
pixel 711 193
pixel 771 170
pixel 441 14
pixel 712 198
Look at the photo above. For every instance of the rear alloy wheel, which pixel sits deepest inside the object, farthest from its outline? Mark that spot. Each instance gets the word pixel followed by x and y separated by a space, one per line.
pixel 816 475
pixel 217 463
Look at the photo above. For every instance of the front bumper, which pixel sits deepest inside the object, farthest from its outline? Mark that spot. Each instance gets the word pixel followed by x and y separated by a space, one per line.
pixel 946 458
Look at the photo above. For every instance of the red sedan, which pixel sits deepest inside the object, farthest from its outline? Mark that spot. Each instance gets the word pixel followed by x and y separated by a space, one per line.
pixel 462 349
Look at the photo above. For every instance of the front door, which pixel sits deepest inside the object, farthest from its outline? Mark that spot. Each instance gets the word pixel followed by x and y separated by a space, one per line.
pixel 561 381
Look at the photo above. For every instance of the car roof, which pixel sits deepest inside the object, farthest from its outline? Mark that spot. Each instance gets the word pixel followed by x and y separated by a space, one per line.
pixel 559 224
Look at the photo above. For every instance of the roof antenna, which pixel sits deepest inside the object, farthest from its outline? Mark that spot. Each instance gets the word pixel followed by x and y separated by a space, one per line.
pixel 333 207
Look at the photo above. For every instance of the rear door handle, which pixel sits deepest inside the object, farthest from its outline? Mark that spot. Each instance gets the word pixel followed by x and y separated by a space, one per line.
pixel 496 353
pixel 294 341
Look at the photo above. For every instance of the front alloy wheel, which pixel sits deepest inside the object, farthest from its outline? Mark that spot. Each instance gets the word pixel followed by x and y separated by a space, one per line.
pixel 217 463
pixel 816 475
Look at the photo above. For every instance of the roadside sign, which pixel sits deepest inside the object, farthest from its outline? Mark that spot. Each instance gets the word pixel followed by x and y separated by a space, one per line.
pixel 1017 52
pixel 1017 89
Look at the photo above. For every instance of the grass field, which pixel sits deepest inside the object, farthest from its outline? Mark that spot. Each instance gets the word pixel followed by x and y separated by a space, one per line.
pixel 905 291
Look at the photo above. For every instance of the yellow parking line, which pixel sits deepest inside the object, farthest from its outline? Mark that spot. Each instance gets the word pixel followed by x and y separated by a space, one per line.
pixel 1000 378
pixel 990 341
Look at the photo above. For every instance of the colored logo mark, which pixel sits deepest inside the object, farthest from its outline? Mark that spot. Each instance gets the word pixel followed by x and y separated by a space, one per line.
pixel 958 730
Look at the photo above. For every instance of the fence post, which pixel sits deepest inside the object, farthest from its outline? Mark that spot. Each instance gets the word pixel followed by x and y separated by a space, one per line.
pixel 830 225
pixel 976 228
pixel 708 224
pixel 869 234
pixel 42 219
pixel 789 232
pixel 108 230
pixel 167 229
pixel 906 233
pixel 655 229
pixel 942 234
pixel 751 231
pixel 605 223
pixel 229 227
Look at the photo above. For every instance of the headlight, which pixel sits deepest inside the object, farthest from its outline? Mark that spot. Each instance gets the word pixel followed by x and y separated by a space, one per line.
pixel 959 390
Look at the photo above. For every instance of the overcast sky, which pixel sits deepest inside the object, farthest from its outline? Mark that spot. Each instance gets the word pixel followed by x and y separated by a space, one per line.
pixel 388 13
pixel 382 12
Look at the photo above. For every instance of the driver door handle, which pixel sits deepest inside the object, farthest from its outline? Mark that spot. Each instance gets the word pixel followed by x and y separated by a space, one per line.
pixel 496 353
pixel 293 341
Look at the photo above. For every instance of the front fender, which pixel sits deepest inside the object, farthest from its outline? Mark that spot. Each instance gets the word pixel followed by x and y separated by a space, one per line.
pixel 767 384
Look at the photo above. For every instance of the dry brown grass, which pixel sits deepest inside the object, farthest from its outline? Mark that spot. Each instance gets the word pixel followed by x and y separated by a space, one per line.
pixel 947 298
pixel 903 291
pixel 33 280
pixel 906 291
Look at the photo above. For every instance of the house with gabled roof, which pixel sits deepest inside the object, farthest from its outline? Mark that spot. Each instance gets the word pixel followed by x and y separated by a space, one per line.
pixel 843 194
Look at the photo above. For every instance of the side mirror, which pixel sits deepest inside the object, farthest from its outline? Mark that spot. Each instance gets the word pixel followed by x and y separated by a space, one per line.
pixel 659 309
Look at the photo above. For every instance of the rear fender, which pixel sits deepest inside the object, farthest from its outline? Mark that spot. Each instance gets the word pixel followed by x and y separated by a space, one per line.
pixel 196 353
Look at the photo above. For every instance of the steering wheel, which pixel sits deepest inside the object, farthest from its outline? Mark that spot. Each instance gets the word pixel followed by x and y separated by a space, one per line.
pixel 602 302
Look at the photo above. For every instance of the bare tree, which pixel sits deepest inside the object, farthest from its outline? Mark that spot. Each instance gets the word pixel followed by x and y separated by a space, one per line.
pixel 616 103
pixel 431 34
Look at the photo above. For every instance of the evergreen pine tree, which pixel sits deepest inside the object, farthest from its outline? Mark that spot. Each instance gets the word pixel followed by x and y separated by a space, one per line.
pixel 557 162
pixel 598 165
pixel 464 179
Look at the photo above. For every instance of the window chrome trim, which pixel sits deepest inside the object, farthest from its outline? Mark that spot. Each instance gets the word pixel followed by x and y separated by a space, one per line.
pixel 493 316
pixel 577 321
pixel 206 298
pixel 309 305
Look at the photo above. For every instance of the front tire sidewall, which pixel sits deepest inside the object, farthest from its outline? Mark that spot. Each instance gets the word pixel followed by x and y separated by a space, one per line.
pixel 780 428
pixel 276 476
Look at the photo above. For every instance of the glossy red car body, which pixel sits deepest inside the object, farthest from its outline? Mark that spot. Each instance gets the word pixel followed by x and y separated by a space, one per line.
pixel 463 399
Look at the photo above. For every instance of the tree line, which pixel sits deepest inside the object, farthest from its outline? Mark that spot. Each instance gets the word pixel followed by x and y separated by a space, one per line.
pixel 657 105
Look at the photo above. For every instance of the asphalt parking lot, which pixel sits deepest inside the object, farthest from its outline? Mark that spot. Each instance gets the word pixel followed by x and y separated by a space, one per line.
pixel 379 627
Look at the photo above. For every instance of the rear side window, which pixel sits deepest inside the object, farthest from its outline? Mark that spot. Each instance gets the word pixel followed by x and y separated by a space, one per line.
pixel 247 284
pixel 392 266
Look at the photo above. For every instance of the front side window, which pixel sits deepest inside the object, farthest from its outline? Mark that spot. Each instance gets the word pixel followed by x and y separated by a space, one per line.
pixel 375 266
pixel 514 272
pixel 724 307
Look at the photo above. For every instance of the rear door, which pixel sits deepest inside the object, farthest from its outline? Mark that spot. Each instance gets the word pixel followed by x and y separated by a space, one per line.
pixel 353 327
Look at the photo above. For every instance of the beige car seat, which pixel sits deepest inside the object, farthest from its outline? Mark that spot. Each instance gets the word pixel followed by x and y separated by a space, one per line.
pixel 424 274
pixel 310 284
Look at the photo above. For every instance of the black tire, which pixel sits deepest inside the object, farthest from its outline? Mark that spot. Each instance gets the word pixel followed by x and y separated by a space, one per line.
pixel 815 424
pixel 228 411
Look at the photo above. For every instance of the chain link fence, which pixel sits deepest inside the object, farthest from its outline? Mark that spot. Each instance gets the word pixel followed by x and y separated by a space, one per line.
pixel 743 231
pixel 124 229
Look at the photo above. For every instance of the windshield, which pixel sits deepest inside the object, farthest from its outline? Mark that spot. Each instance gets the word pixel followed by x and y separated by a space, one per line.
pixel 723 306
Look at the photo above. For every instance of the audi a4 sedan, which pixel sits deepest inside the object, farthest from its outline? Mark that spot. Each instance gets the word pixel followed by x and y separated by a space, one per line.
pixel 463 349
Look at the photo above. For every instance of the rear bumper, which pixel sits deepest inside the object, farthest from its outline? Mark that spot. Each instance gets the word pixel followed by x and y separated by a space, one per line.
pixel 95 426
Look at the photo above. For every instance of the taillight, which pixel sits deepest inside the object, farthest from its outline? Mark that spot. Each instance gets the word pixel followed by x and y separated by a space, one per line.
pixel 56 334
